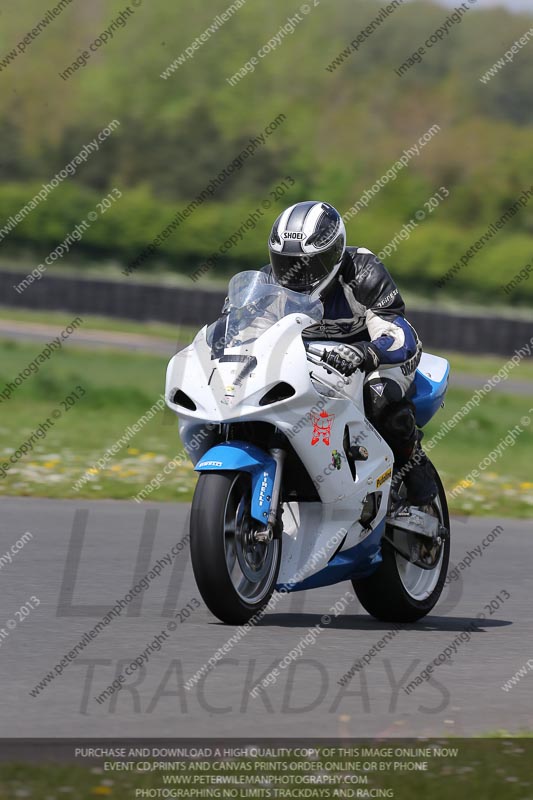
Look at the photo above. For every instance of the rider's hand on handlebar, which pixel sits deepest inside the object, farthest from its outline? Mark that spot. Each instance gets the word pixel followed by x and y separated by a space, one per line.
pixel 346 358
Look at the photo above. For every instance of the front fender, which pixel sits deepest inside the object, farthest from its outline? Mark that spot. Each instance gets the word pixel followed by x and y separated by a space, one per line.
pixel 244 457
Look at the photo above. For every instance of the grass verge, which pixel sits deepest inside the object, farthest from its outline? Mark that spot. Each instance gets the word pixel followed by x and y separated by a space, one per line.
pixel 120 387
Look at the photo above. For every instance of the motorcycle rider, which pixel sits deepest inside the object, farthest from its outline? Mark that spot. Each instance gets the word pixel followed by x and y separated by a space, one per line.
pixel 364 313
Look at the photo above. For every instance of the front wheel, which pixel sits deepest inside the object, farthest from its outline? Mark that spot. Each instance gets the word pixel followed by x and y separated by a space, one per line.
pixel 236 574
pixel 400 591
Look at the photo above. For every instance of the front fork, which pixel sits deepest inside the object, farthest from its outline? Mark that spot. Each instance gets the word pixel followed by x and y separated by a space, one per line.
pixel 271 530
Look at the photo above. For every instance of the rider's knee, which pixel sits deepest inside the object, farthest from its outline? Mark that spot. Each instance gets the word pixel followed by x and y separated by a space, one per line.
pixel 379 395
pixel 398 421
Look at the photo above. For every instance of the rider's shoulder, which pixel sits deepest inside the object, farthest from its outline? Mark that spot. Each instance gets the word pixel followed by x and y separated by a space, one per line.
pixel 360 254
pixel 359 260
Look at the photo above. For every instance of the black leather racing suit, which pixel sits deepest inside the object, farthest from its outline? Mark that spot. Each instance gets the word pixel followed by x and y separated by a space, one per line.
pixel 363 304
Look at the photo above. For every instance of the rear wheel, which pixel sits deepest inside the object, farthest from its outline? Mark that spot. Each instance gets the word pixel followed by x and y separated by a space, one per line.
pixel 236 574
pixel 400 591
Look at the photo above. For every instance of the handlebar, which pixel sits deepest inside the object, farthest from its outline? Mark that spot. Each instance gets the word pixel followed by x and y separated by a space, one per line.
pixel 315 359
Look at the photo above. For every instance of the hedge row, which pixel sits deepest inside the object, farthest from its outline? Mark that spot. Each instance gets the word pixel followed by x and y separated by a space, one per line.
pixel 419 261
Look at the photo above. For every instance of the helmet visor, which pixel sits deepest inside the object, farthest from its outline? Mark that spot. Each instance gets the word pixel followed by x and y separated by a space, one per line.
pixel 301 273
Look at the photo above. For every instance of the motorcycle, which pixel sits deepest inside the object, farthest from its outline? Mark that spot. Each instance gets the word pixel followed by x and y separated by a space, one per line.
pixel 295 487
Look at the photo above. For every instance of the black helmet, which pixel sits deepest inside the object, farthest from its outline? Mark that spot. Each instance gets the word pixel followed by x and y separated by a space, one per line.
pixel 306 246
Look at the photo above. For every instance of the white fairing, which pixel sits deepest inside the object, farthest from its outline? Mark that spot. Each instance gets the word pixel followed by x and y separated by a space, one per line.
pixel 231 391
pixel 433 367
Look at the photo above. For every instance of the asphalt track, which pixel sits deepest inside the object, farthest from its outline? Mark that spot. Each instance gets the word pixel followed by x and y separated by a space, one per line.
pixel 79 569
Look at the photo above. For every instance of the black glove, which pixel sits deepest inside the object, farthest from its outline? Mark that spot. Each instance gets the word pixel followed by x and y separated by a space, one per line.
pixel 346 358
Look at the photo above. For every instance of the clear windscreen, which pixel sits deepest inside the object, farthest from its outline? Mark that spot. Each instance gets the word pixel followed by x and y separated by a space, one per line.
pixel 255 304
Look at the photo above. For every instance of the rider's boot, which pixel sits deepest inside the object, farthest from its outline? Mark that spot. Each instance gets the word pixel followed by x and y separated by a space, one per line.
pixel 412 465
pixel 418 476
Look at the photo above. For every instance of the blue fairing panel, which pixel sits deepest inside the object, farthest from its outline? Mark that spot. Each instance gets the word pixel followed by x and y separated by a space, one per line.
pixel 244 457
pixel 428 395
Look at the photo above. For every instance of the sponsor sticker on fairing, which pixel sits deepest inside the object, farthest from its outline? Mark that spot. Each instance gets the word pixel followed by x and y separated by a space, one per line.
pixel 382 478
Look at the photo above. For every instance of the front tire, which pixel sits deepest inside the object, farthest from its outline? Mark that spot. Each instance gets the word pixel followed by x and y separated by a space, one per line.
pixel 399 591
pixel 236 575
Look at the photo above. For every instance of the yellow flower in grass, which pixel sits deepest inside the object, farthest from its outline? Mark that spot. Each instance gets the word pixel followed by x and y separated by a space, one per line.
pixel 148 456
pixel 101 790
pixel 92 471
pixel 51 464
pixel 463 484
pixel 526 485
pixel 116 468
pixel 133 451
